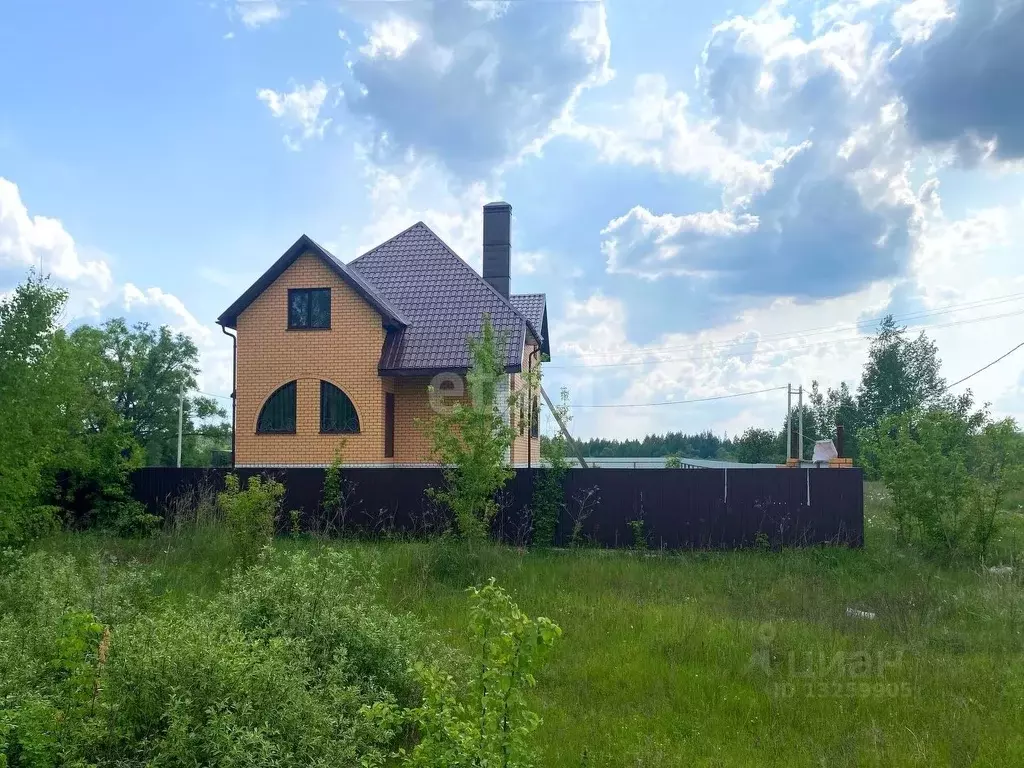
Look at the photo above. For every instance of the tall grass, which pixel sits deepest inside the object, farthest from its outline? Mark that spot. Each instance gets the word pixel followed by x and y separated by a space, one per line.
pixel 744 658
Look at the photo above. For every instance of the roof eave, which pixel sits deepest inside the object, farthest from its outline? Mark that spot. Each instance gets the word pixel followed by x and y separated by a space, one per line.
pixel 408 372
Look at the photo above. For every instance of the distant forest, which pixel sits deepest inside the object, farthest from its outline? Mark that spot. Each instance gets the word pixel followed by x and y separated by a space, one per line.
pixel 703 445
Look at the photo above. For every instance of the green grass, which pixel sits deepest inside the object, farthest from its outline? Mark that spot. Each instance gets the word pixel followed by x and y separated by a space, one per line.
pixel 726 658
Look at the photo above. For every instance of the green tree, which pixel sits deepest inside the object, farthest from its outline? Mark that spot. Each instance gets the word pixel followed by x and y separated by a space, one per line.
pixel 150 367
pixel 29 398
pixel 472 441
pixel 948 471
pixel 837 406
pixel 62 444
pixel 760 446
pixel 901 374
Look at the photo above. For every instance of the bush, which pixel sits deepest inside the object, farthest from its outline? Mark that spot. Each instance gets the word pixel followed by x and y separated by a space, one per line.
pixel 250 514
pixel 948 472
pixel 293 664
pixel 549 489
pixel 472 441
pixel 284 668
pixel 484 720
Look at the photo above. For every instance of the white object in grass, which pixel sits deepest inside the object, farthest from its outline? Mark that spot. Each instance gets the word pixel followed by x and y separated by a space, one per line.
pixel 855 613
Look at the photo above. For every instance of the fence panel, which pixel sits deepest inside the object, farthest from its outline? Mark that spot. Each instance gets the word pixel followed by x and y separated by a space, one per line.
pixel 680 509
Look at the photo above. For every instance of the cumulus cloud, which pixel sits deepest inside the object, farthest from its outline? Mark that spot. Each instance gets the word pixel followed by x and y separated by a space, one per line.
pixel 832 209
pixel 31 242
pixel 916 21
pixel 42 243
pixel 390 38
pixel 649 245
pixel 472 84
pixel 655 127
pixel 299 112
pixel 961 81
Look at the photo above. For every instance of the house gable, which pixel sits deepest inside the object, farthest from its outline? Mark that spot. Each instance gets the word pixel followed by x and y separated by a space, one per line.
pixel 305 245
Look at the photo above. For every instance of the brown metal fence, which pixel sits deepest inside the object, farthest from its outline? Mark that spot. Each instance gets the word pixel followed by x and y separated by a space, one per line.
pixel 680 509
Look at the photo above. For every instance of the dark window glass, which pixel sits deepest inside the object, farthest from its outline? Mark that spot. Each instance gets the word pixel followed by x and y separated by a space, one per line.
pixel 309 308
pixel 320 308
pixel 337 414
pixel 278 413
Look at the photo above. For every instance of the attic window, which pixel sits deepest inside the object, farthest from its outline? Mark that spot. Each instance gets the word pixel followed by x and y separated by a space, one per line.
pixel 309 308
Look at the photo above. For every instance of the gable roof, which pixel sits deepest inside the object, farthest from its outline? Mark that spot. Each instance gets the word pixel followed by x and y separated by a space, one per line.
pixel 444 300
pixel 533 306
pixel 391 316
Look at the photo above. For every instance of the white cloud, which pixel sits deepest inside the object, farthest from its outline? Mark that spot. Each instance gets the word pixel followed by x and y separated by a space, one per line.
pixel 915 21
pixel 757 350
pixel 390 38
pixel 256 13
pixel 647 245
pixel 655 128
pixel 26 241
pixel 299 111
pixel 167 309
pixel 424 191
pixel 42 243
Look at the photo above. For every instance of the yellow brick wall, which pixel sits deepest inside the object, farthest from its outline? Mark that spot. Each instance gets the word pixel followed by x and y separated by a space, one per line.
pixel 270 355
pixel 413 416
pixel 524 448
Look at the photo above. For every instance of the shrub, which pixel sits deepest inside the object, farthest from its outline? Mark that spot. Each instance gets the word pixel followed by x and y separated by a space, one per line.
pixel 250 514
pixel 472 442
pixel 286 667
pixel 549 491
pixel 484 720
pixel 947 472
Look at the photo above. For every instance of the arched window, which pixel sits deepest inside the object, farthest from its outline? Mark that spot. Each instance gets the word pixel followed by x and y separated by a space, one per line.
pixel 337 414
pixel 278 413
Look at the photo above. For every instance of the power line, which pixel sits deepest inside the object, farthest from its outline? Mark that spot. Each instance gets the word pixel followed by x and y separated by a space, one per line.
pixel 736 353
pixel 819 330
pixel 997 360
pixel 213 394
pixel 679 402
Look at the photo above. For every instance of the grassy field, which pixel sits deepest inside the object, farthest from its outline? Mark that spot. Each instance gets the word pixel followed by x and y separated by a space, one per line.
pixel 727 658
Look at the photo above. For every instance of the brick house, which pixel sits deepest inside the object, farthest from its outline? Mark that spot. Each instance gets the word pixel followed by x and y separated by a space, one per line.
pixel 358 356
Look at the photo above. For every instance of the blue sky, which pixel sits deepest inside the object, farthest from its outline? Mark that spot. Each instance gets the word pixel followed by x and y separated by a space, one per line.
pixel 694 187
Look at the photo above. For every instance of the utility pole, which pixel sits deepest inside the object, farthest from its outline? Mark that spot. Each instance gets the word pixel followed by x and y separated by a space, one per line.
pixel 181 417
pixel 800 417
pixel 788 422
